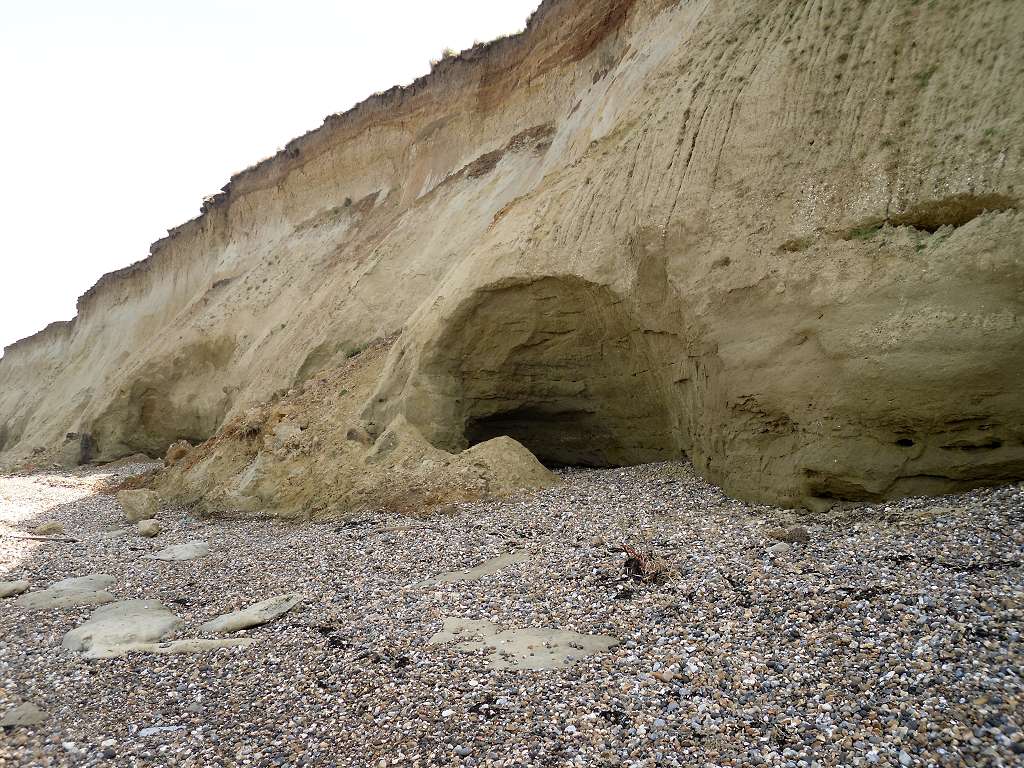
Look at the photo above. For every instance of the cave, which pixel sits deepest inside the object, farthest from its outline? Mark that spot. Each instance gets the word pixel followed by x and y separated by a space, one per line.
pixel 561 365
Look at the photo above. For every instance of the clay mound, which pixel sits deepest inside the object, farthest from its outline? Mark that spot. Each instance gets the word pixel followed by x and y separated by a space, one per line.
pixel 305 455
pixel 781 239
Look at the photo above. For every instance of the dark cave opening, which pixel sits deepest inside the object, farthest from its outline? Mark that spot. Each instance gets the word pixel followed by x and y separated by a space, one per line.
pixel 561 366
pixel 558 438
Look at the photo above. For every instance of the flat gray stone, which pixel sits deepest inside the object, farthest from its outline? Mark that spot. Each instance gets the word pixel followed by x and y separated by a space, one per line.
pixel 113 630
pixel 23 715
pixel 487 568
pixel 253 616
pixel 192 550
pixel 12 588
pixel 530 648
pixel 177 647
pixel 70 593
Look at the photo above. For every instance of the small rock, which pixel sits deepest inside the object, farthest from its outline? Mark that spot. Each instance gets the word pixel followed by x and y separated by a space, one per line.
pixel 49 528
pixel 188 551
pixel 527 648
pixel 12 588
pixel 70 593
pixel 487 568
pixel 154 730
pixel 139 505
pixel 795 535
pixel 176 452
pixel 779 549
pixel 22 715
pixel 253 616
pixel 115 629
pixel 149 528
pixel 818 505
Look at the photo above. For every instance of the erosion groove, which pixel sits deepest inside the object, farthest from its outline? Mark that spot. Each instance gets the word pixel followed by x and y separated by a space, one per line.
pixel 779 238
pixel 930 216
pixel 954 211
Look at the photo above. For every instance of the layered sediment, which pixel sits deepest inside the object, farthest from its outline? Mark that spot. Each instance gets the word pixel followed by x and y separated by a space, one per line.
pixel 779 237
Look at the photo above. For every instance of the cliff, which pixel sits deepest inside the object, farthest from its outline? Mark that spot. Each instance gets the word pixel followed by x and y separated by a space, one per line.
pixel 781 237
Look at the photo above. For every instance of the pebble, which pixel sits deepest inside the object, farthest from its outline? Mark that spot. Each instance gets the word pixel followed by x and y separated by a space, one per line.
pixel 157 729
pixel 892 635
pixel 780 549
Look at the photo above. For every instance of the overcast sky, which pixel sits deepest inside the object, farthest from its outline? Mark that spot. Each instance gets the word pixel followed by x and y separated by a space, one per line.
pixel 118 116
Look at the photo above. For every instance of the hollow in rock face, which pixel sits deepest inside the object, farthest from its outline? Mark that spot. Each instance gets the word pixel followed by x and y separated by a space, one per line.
pixel 560 365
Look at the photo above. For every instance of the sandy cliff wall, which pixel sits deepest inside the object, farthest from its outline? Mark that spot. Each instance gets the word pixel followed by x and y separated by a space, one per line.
pixel 780 236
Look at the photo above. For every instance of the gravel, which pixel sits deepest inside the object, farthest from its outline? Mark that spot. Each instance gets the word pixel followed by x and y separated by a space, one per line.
pixel 892 636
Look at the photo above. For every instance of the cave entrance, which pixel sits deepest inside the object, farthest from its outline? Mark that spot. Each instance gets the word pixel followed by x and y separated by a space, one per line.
pixel 560 365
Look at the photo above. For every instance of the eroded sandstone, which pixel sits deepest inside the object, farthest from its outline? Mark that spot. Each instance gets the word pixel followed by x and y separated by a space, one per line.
pixel 637 231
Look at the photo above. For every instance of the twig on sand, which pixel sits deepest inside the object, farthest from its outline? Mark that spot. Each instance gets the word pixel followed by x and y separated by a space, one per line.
pixel 31 537
pixel 399 529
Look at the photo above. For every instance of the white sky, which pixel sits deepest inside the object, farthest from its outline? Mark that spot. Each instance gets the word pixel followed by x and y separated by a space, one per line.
pixel 118 116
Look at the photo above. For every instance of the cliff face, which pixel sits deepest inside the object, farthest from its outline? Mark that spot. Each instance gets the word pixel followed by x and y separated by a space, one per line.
pixel 779 236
